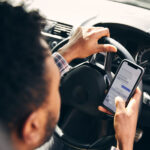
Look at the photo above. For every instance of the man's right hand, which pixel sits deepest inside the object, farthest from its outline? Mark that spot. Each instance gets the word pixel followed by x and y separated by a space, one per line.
pixel 84 42
pixel 125 121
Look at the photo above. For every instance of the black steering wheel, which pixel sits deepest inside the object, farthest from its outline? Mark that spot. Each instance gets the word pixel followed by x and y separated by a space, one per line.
pixel 84 88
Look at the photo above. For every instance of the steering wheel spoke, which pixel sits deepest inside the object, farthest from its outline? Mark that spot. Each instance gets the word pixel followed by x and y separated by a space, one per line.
pixel 107 66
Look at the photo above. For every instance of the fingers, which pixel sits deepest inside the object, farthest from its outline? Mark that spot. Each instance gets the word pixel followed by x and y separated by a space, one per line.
pixel 120 104
pixel 94 29
pixel 106 48
pixel 133 105
pixel 102 109
pixel 100 32
pixel 95 32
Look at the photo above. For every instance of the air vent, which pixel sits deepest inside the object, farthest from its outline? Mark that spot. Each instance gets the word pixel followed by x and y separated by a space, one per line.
pixel 58 28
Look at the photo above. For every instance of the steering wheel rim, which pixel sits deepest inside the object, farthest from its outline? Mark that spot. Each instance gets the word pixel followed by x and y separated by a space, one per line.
pixel 121 51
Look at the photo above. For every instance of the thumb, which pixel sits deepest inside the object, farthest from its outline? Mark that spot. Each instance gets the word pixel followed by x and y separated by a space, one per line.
pixel 120 104
pixel 107 48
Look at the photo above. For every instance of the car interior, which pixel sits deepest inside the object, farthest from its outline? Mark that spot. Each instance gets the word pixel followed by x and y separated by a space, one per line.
pixel 83 88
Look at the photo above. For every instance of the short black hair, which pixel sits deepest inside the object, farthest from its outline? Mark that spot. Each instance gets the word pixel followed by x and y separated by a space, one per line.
pixel 23 88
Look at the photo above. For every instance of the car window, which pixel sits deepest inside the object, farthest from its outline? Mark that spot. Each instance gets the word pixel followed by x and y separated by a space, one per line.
pixel 139 3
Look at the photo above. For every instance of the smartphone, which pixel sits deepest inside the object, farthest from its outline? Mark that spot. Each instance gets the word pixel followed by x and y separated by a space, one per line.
pixel 126 80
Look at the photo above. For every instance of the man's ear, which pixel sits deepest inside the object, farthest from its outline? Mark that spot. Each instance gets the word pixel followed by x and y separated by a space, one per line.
pixel 33 128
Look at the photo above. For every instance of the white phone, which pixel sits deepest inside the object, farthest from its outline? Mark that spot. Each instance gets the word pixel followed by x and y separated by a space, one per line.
pixel 124 83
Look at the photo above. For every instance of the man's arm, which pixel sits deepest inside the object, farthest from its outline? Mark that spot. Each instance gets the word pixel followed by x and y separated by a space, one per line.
pixel 61 63
pixel 83 43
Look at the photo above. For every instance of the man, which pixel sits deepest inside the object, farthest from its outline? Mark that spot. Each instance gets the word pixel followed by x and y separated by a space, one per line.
pixel 29 89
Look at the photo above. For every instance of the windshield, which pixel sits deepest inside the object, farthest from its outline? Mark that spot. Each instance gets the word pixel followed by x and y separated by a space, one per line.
pixel 139 3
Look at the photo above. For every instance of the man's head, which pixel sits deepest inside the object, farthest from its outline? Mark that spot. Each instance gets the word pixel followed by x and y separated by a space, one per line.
pixel 29 78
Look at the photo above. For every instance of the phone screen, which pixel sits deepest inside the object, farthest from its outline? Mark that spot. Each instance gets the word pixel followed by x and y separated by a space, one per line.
pixel 122 85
